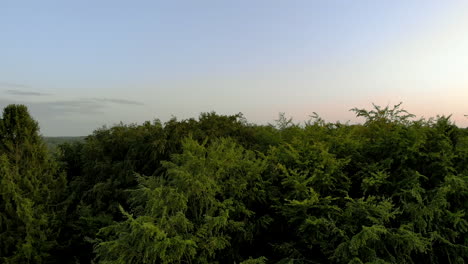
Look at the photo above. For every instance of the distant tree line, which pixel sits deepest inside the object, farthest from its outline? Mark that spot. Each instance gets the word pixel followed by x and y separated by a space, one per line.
pixel 218 189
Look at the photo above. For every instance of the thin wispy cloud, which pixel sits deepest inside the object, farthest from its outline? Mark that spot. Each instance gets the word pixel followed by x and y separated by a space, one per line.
pixel 87 106
pixel 84 106
pixel 80 106
pixel 118 101
pixel 13 85
pixel 70 116
pixel 25 93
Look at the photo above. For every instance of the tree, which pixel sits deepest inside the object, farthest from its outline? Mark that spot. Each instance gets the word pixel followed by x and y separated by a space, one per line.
pixel 31 189
pixel 201 211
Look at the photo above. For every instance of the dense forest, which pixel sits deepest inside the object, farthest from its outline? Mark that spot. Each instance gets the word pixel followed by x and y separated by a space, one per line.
pixel 218 189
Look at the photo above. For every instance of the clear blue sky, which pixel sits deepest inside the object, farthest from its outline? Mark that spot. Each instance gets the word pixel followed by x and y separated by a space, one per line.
pixel 81 64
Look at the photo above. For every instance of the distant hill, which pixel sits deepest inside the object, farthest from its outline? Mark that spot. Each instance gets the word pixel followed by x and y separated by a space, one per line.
pixel 53 142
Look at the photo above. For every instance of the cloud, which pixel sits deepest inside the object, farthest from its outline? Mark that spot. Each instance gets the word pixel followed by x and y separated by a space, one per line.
pixel 57 109
pixel 13 85
pixel 25 93
pixel 118 101
pixel 81 106
pixel 73 116
pixel 18 89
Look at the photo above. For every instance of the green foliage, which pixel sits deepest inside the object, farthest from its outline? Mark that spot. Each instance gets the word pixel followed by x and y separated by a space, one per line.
pixel 101 169
pixel 31 189
pixel 198 212
pixel 221 190
pixel 376 193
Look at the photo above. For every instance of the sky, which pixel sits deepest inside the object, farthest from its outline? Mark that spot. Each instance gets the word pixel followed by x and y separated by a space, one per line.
pixel 80 65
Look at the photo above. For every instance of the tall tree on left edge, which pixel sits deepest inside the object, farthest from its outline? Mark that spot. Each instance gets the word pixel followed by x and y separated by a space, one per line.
pixel 31 191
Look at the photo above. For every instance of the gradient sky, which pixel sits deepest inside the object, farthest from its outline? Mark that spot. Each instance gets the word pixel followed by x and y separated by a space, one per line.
pixel 79 65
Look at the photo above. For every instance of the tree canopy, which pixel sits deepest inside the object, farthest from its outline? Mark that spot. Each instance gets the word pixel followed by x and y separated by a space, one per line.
pixel 218 189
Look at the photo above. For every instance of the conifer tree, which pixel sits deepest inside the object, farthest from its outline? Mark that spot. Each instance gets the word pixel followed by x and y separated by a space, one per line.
pixel 199 212
pixel 31 189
